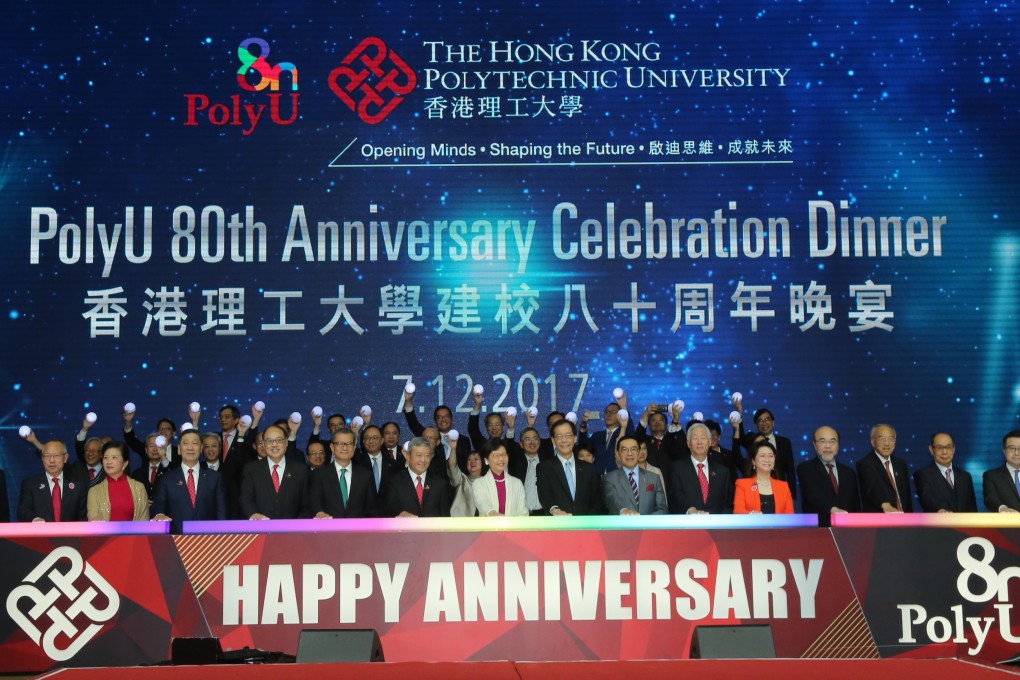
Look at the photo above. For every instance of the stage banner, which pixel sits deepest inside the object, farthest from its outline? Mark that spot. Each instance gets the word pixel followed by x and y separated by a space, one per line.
pixel 932 592
pixel 93 601
pixel 522 595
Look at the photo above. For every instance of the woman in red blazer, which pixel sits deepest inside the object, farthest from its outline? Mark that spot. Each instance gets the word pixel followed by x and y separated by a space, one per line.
pixel 761 493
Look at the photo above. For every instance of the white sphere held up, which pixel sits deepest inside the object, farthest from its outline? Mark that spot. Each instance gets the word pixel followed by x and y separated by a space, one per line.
pixel 129 407
pixel 295 417
pixel 479 390
pixel 623 414
pixel 409 388
pixel 91 417
pixel 160 441
pixel 617 393
pixel 572 417
pixel 452 436
pixel 246 420
pixel 735 417
pixel 24 431
pixel 737 398
pixel 260 406
pixel 194 407
pixel 316 411
pixel 699 416
pixel 532 411
pixel 511 411
pixel 365 411
pixel 357 421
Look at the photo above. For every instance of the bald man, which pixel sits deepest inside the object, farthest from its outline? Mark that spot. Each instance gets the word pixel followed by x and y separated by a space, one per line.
pixel 827 486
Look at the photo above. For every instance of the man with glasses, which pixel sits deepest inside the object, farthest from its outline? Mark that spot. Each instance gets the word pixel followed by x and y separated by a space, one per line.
pixel 942 486
pixel 629 490
pixel 766 424
pixel 826 485
pixel 603 442
pixel 57 495
pixel 698 484
pixel 524 466
pixel 567 486
pixel 344 487
pixel 885 481
pixel 1002 484
pixel 371 456
pixel 275 488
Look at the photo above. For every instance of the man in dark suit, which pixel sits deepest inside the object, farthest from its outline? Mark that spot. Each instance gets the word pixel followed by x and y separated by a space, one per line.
pixel 1002 484
pixel 603 442
pixel 370 456
pixel 664 447
pixel 578 494
pixel 443 418
pixel 237 452
pixel 335 422
pixel 418 491
pixel 275 488
pixel 688 478
pixel 345 487
pixel 149 473
pixel 630 490
pixel 165 427
pixel 876 472
pixel 826 485
pixel 942 486
pixel 766 424
pixel 90 464
pixel 57 495
pixel 189 492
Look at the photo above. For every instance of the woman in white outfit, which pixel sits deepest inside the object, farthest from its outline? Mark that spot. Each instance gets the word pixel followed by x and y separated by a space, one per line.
pixel 498 493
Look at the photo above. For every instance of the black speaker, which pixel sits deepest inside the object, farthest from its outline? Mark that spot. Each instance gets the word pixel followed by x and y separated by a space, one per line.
pixel 733 642
pixel 342 645
pixel 194 651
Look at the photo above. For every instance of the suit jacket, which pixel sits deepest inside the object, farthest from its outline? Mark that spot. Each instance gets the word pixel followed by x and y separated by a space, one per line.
pixel 817 494
pixel 98 502
pixel 553 490
pixel 685 488
pixel 438 465
pixel 138 446
pixel 82 471
pixel 259 496
pixel 5 505
pixel 934 492
pixel 999 489
pixel 403 497
pixel 172 498
pixel 487 498
pixel 386 472
pixel 141 475
pixel 362 499
pixel 618 494
pixel 240 453
pixel 605 451
pixel 876 487
pixel 747 498
pixel 36 500
pixel 784 459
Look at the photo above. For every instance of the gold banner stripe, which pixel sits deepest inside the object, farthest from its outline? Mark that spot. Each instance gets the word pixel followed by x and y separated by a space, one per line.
pixel 205 556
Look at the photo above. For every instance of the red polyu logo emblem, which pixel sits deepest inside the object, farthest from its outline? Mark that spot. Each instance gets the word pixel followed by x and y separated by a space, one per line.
pixel 372 80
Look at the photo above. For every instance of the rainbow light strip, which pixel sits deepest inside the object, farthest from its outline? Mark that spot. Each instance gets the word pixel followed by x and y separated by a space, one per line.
pixel 479 524
pixel 67 529
pixel 876 520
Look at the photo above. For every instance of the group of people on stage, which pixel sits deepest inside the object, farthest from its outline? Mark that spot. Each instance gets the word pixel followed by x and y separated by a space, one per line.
pixel 358 469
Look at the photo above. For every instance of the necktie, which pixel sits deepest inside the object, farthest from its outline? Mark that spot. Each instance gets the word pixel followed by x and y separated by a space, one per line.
pixel 153 469
pixel 531 484
pixel 892 480
pixel 570 478
pixel 633 485
pixel 92 474
pixel 375 472
pixel 56 499
pixel 1016 481
pixel 276 478
pixel 949 477
pixel 421 492
pixel 226 445
pixel 832 478
pixel 703 480
pixel 343 485
pixel 191 486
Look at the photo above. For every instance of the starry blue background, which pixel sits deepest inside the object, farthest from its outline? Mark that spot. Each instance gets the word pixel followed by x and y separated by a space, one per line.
pixel 900 109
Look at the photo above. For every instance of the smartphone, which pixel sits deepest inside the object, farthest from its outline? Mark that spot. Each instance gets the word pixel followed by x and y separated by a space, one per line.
pixel 659 408
pixel 593 415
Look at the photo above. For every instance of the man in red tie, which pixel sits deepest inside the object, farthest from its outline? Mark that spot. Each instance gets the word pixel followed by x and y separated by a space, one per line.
pixel 59 494
pixel 275 487
pixel 149 473
pixel 700 485
pixel 418 492
pixel 189 491
pixel 884 479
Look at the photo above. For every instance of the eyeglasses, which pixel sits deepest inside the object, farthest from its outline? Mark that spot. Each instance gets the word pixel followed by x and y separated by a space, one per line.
pixel 1012 449
pixel 827 441
pixel 947 447
pixel 273 440
pixel 344 444
pixel 885 440
pixel 53 456
pixel 765 419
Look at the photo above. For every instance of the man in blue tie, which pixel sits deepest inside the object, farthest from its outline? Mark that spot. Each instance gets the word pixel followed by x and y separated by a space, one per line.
pixel 567 486
pixel 1002 484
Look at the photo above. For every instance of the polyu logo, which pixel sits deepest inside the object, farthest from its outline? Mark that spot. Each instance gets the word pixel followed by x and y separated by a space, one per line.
pixel 372 80
pixel 255 75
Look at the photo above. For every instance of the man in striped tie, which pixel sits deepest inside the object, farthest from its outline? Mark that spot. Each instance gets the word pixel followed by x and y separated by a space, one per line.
pixel 629 490
pixel 884 478
pixel 827 485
